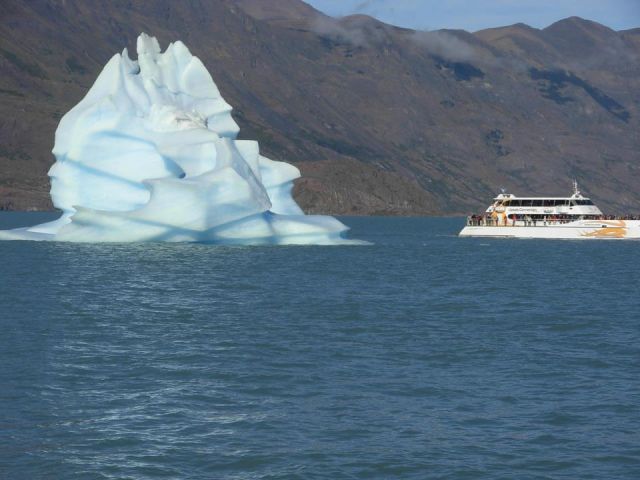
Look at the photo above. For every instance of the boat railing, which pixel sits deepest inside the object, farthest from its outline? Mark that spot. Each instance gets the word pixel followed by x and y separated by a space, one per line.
pixel 487 221
pixel 493 222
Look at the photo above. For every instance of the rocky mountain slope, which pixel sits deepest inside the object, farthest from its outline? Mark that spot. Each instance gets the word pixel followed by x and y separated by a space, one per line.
pixel 381 120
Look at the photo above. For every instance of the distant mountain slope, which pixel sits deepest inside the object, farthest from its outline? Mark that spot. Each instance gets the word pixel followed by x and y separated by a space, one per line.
pixel 379 119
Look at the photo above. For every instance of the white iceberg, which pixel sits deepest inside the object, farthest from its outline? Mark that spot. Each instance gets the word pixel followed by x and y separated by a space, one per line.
pixel 150 154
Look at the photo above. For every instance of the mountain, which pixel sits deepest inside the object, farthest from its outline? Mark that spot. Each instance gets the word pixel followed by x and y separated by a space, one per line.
pixel 380 119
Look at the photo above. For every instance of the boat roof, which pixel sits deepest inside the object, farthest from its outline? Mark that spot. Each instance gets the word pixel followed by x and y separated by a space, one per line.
pixel 576 196
pixel 513 197
pixel 508 196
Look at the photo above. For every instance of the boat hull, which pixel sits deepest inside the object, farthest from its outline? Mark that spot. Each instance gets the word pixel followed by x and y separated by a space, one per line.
pixel 581 229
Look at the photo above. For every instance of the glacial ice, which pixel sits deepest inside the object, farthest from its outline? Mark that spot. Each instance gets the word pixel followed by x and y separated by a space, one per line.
pixel 150 154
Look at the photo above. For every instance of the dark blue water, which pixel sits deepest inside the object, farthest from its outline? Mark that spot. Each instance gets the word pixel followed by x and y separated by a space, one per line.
pixel 423 356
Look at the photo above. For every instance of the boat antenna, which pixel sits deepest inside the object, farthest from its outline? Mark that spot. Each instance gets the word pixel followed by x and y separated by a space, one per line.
pixel 576 190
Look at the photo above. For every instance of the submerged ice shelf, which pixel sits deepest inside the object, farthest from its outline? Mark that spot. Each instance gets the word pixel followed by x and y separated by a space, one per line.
pixel 150 154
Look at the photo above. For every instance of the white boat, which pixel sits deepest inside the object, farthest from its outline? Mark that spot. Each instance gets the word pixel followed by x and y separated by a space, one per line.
pixel 574 217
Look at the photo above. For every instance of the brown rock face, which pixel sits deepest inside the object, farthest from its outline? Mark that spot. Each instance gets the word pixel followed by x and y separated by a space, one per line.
pixel 380 120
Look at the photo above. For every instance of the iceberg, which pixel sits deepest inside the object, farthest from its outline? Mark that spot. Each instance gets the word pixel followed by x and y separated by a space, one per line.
pixel 150 154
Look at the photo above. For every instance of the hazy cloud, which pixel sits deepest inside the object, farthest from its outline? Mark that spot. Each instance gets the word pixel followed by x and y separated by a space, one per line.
pixel 444 45
pixel 330 28
pixel 364 6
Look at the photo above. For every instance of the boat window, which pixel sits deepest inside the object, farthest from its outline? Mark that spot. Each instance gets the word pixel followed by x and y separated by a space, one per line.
pixel 506 203
pixel 516 203
pixel 584 202
pixel 526 203
pixel 548 203
pixel 536 203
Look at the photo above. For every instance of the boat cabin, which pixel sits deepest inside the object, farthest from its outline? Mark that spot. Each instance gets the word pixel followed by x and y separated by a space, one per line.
pixel 508 209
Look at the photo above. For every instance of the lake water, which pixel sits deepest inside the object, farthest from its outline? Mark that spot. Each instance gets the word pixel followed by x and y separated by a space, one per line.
pixel 422 356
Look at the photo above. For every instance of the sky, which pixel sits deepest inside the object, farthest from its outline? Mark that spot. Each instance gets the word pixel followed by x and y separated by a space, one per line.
pixel 475 15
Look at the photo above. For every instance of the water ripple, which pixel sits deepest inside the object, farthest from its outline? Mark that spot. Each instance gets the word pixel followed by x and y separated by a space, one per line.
pixel 423 356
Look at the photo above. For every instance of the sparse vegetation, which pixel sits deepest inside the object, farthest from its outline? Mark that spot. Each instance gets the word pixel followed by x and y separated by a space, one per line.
pixel 13 154
pixel 74 66
pixel 13 93
pixel 551 82
pixel 339 146
pixel 462 71
pixel 31 68
pixel 494 140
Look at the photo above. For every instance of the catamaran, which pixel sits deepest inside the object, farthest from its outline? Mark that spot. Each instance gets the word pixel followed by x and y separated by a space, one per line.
pixel 574 217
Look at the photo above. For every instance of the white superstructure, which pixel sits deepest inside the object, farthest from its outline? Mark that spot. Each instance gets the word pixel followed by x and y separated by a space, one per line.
pixel 549 217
